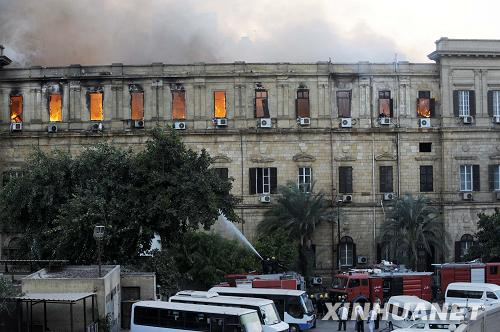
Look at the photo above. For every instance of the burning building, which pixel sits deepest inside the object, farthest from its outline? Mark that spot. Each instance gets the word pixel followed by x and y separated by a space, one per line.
pixel 363 132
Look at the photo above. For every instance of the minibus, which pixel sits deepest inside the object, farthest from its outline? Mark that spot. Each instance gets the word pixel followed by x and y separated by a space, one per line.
pixel 463 294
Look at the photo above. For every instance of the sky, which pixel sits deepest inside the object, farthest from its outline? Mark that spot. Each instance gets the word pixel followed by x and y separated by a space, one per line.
pixel 63 32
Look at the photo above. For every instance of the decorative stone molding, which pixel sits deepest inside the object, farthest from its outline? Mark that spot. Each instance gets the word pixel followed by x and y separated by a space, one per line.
pixel 385 157
pixel 221 159
pixel 345 158
pixel 465 157
pixel 495 156
pixel 303 157
pixel 261 159
pixel 426 158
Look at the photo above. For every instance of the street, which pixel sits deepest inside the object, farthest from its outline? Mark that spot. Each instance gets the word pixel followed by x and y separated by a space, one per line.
pixel 331 325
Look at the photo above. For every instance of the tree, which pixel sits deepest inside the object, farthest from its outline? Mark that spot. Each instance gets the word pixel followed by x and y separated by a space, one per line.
pixel 297 214
pixel 7 290
pixel 279 246
pixel 166 189
pixel 412 224
pixel 487 244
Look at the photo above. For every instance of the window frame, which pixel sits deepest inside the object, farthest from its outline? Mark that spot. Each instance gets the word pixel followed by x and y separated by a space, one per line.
pixel 54 118
pixel 216 92
pixel 384 172
pixel 264 180
pixel 182 95
pixel 19 115
pixel 265 103
pixel 302 97
pixel 348 96
pixel 304 181
pixel 422 96
pixel 495 103
pixel 345 179
pixel 464 103
pixel 385 95
pixel 466 178
pixel 428 184
pixel 346 245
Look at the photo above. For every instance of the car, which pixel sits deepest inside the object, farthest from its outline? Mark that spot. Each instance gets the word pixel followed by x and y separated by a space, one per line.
pixel 404 310
pixel 431 326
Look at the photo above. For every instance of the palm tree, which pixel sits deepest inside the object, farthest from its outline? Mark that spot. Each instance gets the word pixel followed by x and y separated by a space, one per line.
pixel 297 213
pixel 412 224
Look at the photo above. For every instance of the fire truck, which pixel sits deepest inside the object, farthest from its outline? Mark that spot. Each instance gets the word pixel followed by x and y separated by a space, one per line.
pixel 368 287
pixel 467 272
pixel 288 280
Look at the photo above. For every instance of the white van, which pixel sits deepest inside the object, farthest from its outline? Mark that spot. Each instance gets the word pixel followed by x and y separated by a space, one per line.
pixel 404 310
pixel 465 293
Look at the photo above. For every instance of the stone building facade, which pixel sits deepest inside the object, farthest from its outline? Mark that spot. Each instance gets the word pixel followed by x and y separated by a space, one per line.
pixel 360 131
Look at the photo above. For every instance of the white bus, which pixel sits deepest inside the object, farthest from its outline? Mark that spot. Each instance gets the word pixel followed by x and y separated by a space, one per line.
pixel 294 306
pixel 159 316
pixel 265 308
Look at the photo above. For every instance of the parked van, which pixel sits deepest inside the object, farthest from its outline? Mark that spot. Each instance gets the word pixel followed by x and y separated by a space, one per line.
pixel 464 293
pixel 404 310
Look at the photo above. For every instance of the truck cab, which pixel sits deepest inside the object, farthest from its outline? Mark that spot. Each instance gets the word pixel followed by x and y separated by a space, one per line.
pixel 353 287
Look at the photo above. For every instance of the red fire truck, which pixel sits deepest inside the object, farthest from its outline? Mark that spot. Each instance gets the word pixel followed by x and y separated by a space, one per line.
pixel 467 272
pixel 367 287
pixel 290 280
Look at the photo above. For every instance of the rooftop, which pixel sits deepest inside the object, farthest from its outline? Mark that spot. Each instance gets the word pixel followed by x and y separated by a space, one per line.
pixel 73 272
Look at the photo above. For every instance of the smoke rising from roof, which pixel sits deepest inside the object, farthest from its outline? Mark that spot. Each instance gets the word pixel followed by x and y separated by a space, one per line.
pixel 59 32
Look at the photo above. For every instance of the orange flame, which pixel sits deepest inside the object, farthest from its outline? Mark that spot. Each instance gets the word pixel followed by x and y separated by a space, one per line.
pixel 55 108
pixel 16 109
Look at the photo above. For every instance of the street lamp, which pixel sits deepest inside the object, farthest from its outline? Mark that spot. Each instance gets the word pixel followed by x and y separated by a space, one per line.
pixel 98 235
pixel 339 202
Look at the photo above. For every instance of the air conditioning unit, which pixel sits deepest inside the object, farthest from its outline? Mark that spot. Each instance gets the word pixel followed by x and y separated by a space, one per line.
pixel 384 121
pixel 346 122
pixel 389 196
pixel 467 196
pixel 139 124
pixel 97 126
pixel 16 126
pixel 221 122
pixel 265 199
pixel 424 123
pixel 304 121
pixel 317 281
pixel 362 260
pixel 52 128
pixel 467 119
pixel 347 198
pixel 496 119
pixel 180 125
pixel 497 194
pixel 265 123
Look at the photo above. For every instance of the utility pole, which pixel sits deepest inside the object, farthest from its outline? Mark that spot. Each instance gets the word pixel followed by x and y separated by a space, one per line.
pixel 98 235
pixel 339 202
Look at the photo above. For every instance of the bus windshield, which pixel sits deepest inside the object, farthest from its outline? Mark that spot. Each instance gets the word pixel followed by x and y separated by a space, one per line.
pixel 251 322
pixel 271 315
pixel 308 306
pixel 339 282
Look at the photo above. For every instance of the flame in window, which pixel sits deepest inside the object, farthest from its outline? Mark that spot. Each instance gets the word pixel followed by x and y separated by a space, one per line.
pixel 96 106
pixel 55 108
pixel 179 105
pixel 384 107
pixel 220 104
pixel 16 109
pixel 137 106
pixel 423 108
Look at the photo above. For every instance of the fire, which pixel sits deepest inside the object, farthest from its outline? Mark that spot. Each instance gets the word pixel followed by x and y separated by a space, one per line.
pixel 220 104
pixel 55 108
pixel 16 109
pixel 137 105
pixel 423 108
pixel 96 106
pixel 385 107
pixel 179 105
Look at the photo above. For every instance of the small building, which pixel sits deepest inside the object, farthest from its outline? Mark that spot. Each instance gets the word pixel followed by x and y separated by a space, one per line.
pixel 135 286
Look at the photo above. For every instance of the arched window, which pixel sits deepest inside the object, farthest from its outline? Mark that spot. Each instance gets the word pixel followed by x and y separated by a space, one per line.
pixel 11 251
pixel 462 247
pixel 347 251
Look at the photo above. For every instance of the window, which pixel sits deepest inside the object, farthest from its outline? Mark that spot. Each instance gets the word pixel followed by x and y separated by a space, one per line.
pixel 425 105
pixel 386 179
pixel 294 307
pixel 426 179
pixel 425 147
pixel 384 104
pixel 493 269
pixel 263 180
pixel 494 177
pixel 55 107
pixel 137 106
pixel 354 283
pixel 462 247
pixel 95 105
pixel 469 178
pixel 418 326
pixel 491 295
pixel 344 104
pixel 302 103
pixel 261 104
pixel 222 172
pixel 305 179
pixel 16 109
pixel 464 294
pixel 179 105
pixel 345 179
pixel 220 104
pixel 464 103
pixel 494 103
pixel 346 251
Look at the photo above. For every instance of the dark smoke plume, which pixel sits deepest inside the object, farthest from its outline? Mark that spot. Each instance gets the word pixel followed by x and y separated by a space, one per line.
pixel 63 32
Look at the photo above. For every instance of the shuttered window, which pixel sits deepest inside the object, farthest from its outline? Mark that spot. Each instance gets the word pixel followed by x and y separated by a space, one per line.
pixel 344 104
pixel 386 185
pixel 263 180
pixel 469 178
pixel 494 103
pixel 464 103
pixel 425 105
pixel 222 172
pixel 302 103
pixel 385 107
pixel 345 180
pixel 494 177
pixel 426 179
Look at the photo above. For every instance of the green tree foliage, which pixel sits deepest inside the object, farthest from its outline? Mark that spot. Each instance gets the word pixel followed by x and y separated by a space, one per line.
pixel 7 290
pixel 297 214
pixel 413 223
pixel 279 246
pixel 487 244
pixel 165 189
pixel 207 257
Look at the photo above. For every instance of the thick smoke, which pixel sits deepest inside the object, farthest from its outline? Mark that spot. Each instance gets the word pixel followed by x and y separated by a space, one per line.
pixel 63 32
